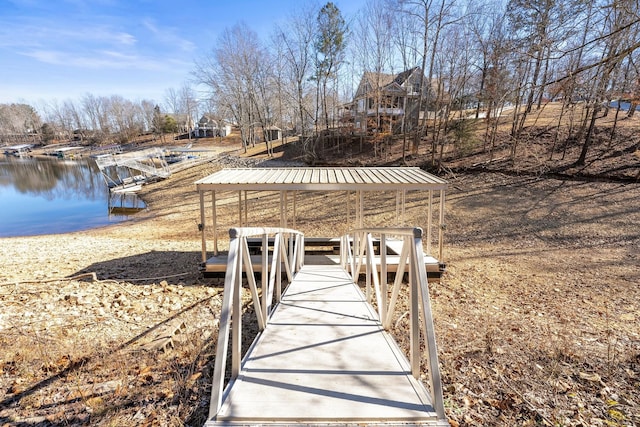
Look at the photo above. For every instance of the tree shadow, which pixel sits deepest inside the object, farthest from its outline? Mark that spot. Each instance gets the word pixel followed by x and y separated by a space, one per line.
pixel 150 267
pixel 80 363
pixel 561 213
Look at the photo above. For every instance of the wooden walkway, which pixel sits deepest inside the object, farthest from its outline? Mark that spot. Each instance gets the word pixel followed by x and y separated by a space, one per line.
pixel 324 359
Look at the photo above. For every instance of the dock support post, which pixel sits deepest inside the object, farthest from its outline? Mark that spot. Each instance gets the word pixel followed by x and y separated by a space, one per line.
pixel 246 209
pixel 346 193
pixel 240 207
pixel 295 196
pixel 429 221
pixel 236 319
pixel 361 209
pixel 202 228
pixel 414 321
pixel 282 207
pixel 441 229
pixel 215 223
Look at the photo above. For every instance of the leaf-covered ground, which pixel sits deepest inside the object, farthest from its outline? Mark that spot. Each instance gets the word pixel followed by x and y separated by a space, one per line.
pixel 536 317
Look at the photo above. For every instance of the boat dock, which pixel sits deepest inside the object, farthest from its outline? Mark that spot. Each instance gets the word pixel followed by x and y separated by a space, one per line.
pixel 324 354
pixel 18 150
pixel 326 306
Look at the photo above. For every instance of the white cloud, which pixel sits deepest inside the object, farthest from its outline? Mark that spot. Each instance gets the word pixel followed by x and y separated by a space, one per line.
pixel 168 36
pixel 95 60
pixel 127 39
pixel 39 33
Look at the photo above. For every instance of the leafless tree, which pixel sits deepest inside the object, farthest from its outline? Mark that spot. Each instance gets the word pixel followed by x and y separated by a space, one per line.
pixel 296 46
pixel 235 74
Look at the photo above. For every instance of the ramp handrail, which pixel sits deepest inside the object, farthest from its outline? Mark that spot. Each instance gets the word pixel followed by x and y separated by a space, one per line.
pixel 287 253
pixel 357 249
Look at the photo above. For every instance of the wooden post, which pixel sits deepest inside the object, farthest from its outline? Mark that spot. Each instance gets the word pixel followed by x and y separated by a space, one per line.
pixel 240 208
pixel 441 229
pixel 414 329
pixel 202 228
pixel 361 213
pixel 266 304
pixel 246 209
pixel 236 319
pixel 383 278
pixel 404 204
pixel 429 220
pixel 348 208
pixel 295 196
pixel 282 209
pixel 286 207
pixel 215 223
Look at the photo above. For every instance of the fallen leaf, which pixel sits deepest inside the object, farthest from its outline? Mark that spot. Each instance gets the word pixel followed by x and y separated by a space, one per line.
pixel 590 377
pixel 145 370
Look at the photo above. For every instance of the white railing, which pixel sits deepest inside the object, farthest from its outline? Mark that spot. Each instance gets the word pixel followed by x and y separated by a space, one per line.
pixel 288 252
pixel 367 247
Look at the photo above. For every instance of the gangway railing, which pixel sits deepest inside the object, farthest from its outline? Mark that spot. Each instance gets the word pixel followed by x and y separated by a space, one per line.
pixel 360 248
pixel 281 248
pixel 362 251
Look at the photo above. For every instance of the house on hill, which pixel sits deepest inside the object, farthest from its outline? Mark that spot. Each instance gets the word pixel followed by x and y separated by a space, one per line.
pixel 388 102
pixel 209 127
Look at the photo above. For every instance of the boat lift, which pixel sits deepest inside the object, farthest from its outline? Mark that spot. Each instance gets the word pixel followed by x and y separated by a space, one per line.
pixel 129 171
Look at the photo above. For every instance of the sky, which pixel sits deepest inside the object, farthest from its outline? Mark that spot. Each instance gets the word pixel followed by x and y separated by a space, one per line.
pixel 58 50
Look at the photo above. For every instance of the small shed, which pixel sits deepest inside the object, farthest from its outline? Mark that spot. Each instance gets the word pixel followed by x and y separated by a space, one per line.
pixel 349 187
pixel 273 133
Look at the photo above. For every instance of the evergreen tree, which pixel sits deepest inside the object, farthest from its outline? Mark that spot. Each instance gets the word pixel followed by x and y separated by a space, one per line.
pixel 330 46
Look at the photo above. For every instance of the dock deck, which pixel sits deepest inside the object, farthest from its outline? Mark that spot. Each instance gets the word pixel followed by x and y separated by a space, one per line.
pixel 325 251
pixel 324 358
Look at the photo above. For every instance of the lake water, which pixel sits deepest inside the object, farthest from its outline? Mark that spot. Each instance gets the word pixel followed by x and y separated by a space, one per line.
pixel 624 106
pixel 47 196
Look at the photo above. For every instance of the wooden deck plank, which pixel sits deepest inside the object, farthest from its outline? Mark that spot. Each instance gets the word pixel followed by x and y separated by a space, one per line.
pixel 324 358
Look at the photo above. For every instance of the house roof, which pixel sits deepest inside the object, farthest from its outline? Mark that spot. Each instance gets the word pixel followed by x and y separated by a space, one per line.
pixel 371 80
pixel 403 76
pixel 374 79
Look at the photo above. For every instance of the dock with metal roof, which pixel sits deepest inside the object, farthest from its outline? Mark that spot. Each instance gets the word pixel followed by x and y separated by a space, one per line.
pixel 356 182
pixel 325 305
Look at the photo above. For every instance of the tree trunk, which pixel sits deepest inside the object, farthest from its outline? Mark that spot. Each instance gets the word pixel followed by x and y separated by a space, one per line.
pixel 587 140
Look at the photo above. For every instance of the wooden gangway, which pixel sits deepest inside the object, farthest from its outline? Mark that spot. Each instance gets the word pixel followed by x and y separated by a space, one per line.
pixel 324 356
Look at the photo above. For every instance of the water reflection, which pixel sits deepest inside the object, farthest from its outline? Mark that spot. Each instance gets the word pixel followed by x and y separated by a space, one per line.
pixel 41 196
pixel 125 204
pixel 52 178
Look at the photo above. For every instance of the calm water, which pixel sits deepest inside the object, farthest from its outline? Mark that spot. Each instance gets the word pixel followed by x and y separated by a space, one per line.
pixel 624 106
pixel 45 196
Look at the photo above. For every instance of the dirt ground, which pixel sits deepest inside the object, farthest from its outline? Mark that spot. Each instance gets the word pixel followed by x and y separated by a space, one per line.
pixel 536 316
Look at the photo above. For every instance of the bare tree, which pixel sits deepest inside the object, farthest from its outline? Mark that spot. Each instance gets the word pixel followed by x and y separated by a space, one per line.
pixel 373 37
pixel 621 27
pixel 18 122
pixel 188 102
pixel 232 74
pixel 296 42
